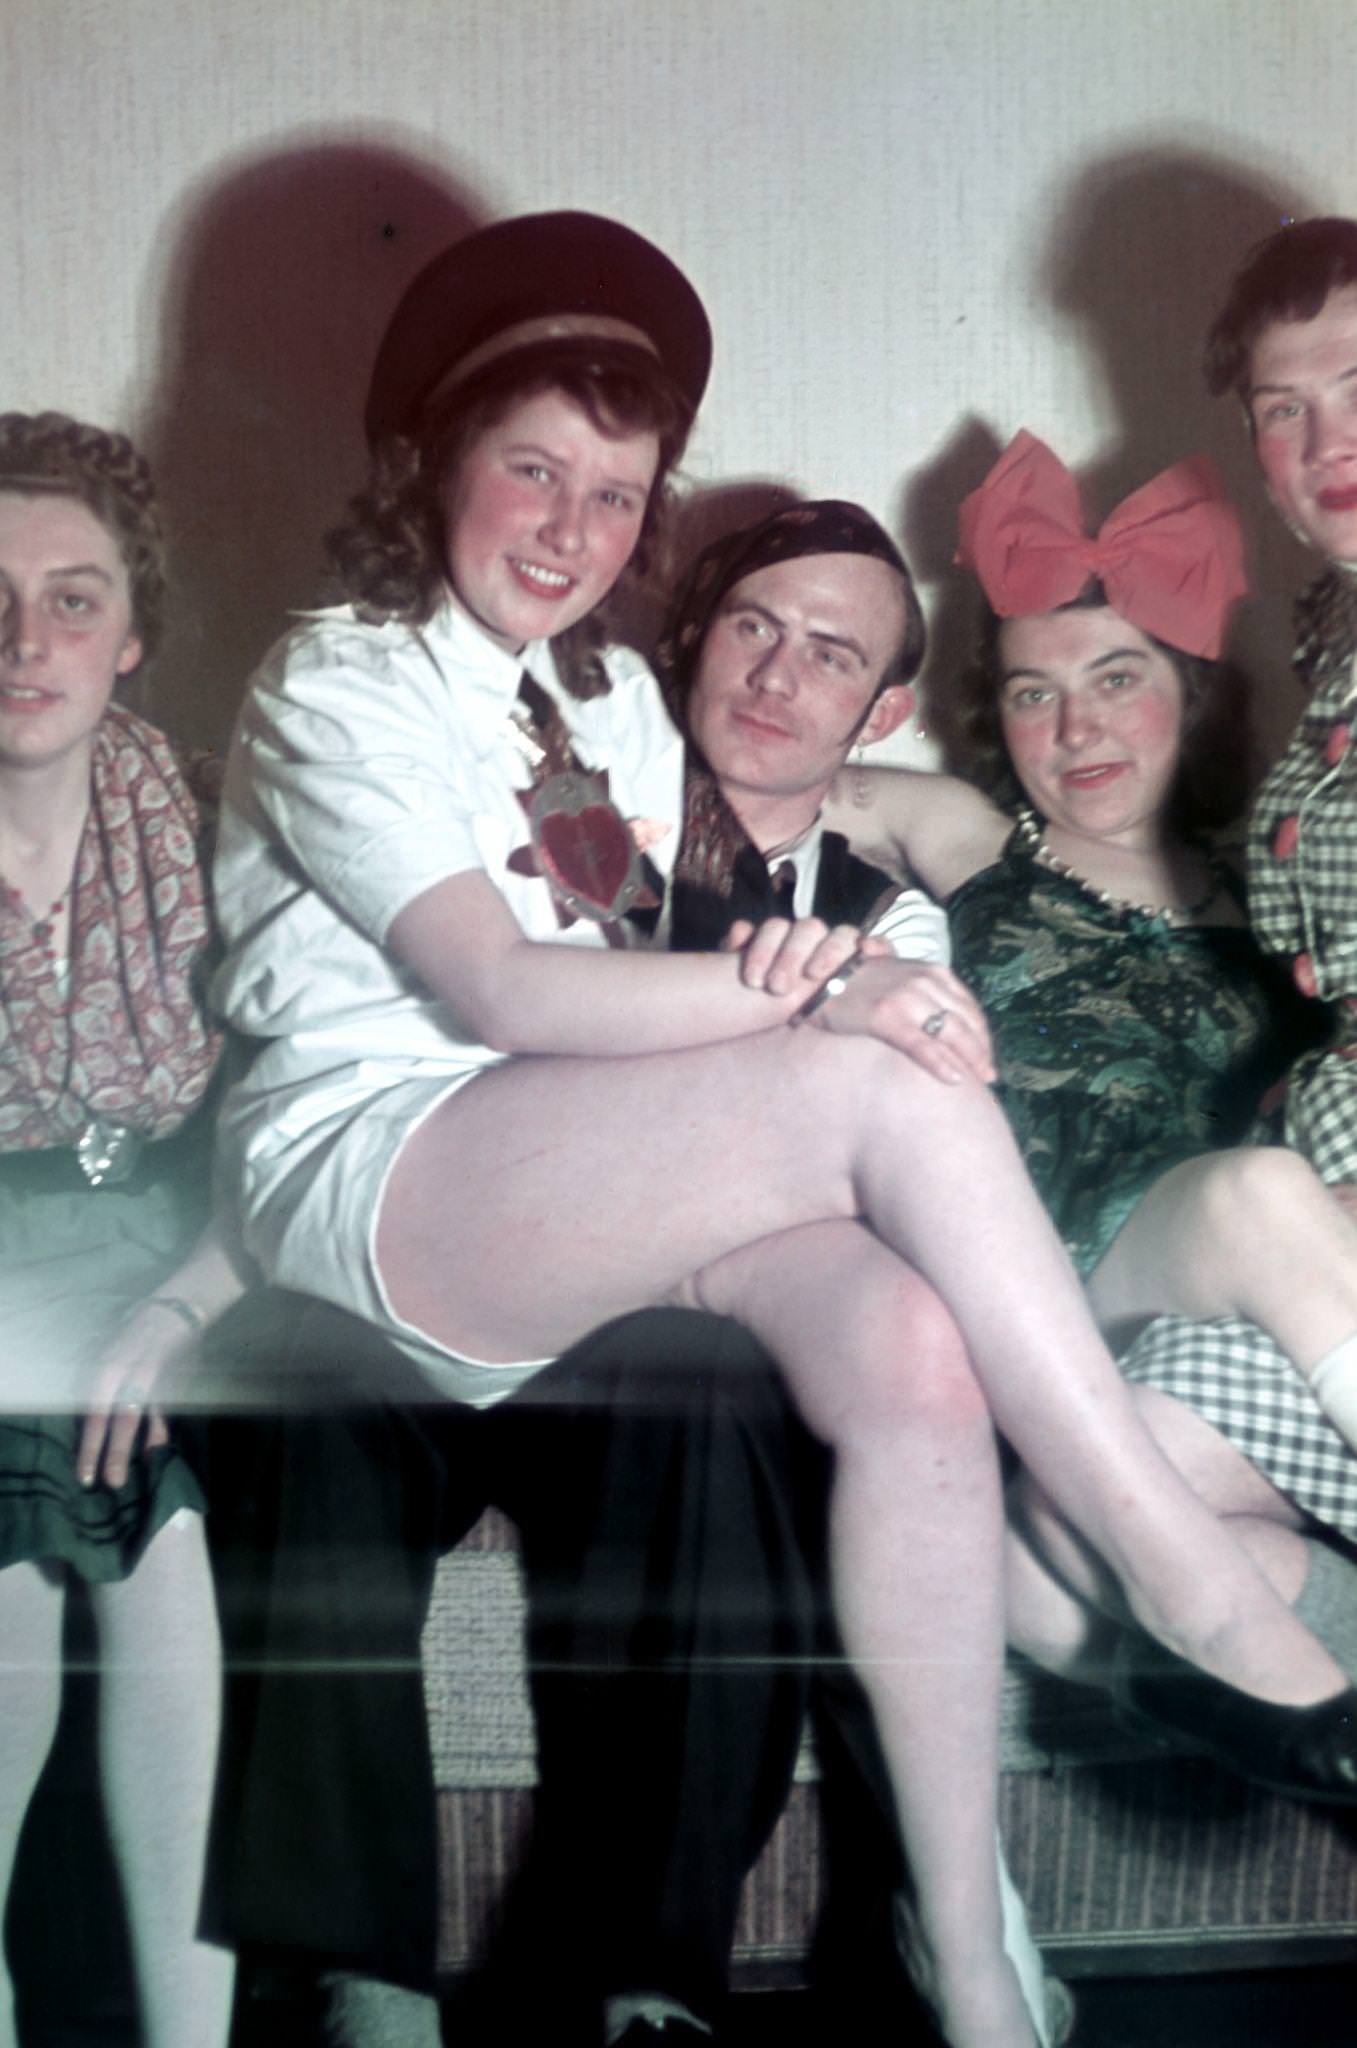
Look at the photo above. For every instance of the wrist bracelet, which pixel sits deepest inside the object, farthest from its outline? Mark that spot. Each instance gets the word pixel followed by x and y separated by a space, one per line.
pixel 827 990
pixel 189 1310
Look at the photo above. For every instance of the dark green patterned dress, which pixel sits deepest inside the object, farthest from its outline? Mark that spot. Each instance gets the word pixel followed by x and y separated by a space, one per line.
pixel 73 1261
pixel 1125 1044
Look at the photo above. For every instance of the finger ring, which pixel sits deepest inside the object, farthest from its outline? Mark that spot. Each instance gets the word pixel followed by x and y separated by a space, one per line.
pixel 134 1397
pixel 931 1026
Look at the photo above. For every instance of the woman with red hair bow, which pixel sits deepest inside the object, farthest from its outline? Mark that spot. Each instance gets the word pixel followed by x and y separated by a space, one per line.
pixel 1136 1023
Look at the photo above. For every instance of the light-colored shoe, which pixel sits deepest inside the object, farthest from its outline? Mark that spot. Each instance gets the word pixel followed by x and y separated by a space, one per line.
pixel 1059 2012
pixel 1048 2000
pixel 368 2012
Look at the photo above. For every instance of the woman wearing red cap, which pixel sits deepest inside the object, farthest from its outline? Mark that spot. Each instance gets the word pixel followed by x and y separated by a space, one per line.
pixel 487 1119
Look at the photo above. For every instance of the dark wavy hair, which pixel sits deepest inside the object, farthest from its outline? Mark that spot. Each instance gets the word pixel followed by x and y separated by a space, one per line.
pixel 49 454
pixel 389 554
pixel 1286 277
pixel 1212 782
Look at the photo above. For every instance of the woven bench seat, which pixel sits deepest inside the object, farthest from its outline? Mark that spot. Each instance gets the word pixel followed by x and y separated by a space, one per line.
pixel 1129 1860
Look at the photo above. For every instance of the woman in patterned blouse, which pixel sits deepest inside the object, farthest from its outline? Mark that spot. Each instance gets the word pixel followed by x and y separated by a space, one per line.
pixel 109 1264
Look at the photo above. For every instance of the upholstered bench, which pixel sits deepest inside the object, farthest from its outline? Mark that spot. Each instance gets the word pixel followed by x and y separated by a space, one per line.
pixel 1129 1860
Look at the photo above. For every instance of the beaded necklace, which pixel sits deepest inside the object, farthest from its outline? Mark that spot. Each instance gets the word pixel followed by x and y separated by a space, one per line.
pixel 1031 837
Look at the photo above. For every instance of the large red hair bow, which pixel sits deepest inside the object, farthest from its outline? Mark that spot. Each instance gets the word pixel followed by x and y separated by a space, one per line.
pixel 1171 557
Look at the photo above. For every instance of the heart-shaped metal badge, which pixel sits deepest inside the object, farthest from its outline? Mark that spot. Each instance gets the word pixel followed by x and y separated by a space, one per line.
pixel 584 847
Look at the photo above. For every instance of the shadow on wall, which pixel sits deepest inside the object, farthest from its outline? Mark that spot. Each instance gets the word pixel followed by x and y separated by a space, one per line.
pixel 929 503
pixel 284 271
pixel 1137 260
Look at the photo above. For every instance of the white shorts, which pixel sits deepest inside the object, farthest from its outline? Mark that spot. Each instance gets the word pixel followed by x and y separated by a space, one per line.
pixel 309 1210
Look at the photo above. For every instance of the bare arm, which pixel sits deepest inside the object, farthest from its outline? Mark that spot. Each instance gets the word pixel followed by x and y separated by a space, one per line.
pixel 520 995
pixel 901 1000
pixel 941 828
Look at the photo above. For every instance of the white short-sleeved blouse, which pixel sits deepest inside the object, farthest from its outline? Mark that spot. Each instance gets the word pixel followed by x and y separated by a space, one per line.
pixel 370 763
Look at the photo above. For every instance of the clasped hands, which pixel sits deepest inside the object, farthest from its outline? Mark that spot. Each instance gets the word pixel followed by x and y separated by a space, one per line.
pixel 919 1008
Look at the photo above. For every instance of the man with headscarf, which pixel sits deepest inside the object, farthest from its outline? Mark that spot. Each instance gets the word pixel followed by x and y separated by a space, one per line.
pixel 692 1630
pixel 671 1505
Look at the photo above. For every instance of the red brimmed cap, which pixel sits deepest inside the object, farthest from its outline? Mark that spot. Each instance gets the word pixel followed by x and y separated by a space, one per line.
pixel 544 281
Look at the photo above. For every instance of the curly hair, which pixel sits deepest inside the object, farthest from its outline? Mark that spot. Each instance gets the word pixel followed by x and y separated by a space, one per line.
pixel 1211 784
pixel 389 554
pixel 1286 277
pixel 50 454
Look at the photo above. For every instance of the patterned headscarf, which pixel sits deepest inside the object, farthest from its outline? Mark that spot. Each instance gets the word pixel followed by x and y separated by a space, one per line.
pixel 714 840
pixel 824 526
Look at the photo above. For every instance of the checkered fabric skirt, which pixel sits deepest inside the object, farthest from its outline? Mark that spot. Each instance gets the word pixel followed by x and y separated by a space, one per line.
pixel 1303 900
pixel 1236 1379
pixel 1320 1118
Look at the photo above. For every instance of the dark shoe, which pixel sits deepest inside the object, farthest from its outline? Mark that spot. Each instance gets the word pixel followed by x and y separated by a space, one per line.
pixel 1306 1752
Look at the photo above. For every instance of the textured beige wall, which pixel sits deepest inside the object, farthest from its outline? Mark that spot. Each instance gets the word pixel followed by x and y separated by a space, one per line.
pixel 919 223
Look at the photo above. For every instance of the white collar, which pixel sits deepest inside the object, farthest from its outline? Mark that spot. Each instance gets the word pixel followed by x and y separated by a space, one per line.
pixel 485 677
pixel 792 849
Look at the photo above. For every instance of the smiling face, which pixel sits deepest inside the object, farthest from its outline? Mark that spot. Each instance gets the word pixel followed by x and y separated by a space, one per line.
pixel 785 684
pixel 541 516
pixel 1092 714
pixel 66 631
pixel 1302 403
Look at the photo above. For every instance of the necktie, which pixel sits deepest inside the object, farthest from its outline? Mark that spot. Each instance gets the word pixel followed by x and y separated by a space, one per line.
pixel 702 916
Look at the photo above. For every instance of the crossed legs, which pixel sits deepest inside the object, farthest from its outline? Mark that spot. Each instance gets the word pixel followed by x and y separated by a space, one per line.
pixel 573 1190
pixel 1064 1610
pixel 550 1195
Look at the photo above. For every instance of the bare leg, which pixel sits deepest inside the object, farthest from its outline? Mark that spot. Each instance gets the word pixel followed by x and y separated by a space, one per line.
pixel 1064 1610
pixel 1253 1233
pixel 160 1705
pixel 30 1702
pixel 1058 1602
pixel 550 1195
pixel 916 1537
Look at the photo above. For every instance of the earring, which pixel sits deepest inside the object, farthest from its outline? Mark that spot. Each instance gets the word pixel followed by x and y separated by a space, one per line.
pixel 859 788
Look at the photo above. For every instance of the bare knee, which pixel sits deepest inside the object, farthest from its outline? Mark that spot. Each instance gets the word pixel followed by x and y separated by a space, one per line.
pixel 1258 1194
pixel 911 1377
